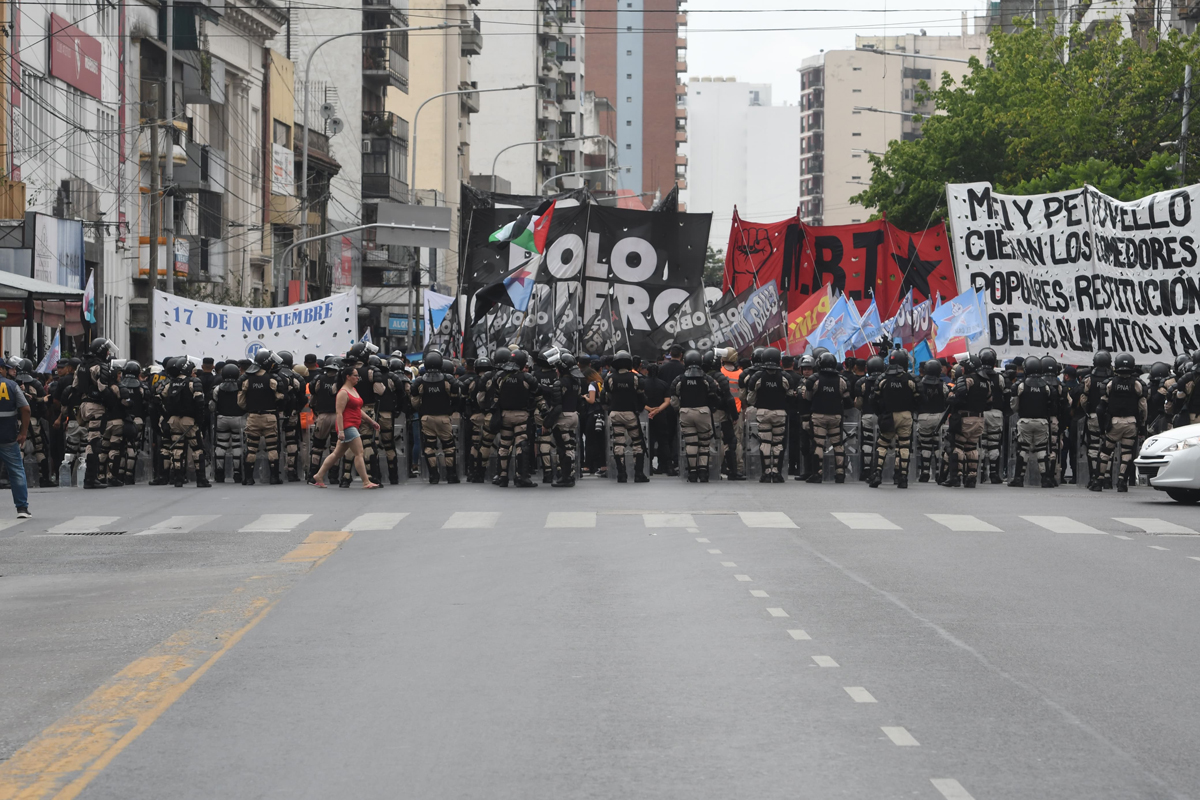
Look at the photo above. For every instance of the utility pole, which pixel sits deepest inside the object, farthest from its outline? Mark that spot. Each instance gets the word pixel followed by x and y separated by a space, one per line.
pixel 168 223
pixel 155 219
pixel 1183 133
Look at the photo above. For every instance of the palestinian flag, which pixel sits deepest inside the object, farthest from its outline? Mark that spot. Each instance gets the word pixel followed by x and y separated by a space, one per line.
pixel 513 290
pixel 528 231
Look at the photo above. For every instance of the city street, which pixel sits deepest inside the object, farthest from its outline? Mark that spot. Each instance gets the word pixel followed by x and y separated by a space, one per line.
pixel 643 641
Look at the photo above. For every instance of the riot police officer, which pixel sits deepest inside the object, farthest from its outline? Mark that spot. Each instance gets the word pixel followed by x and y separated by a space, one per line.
pixel 995 416
pixel 514 394
pixel 866 401
pixel 38 436
pixel 696 396
pixel 433 397
pixel 260 396
pixel 800 438
pixel 725 414
pixel 186 407
pixel 897 400
pixel 968 400
pixel 768 390
pixel 546 374
pixel 931 412
pixel 625 393
pixel 1162 384
pixel 135 403
pixel 1033 401
pixel 1089 401
pixel 391 393
pixel 92 380
pixel 830 396
pixel 1122 412
pixel 231 422
pixel 322 400
pixel 565 428
pixel 294 400
pixel 474 416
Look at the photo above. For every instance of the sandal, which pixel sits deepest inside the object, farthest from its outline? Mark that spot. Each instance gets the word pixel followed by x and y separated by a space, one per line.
pixel 317 484
pixel 371 486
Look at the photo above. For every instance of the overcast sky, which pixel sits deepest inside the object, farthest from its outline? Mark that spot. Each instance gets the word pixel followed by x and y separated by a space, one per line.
pixel 734 49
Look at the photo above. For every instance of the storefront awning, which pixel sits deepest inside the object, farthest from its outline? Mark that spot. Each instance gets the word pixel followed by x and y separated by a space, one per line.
pixel 18 287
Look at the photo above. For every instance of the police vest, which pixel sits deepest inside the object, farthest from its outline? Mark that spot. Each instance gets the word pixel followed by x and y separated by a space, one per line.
pixel 260 394
pixel 570 393
pixel 1033 399
pixel 896 391
pixel 692 388
pixel 133 397
pixel 623 391
pixel 1123 396
pixel 514 392
pixel 434 391
pixel 770 390
pixel 225 398
pixel 827 394
pixel 933 396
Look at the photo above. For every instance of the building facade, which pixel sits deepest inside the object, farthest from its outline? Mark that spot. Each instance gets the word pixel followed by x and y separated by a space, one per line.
pixel 742 151
pixel 854 102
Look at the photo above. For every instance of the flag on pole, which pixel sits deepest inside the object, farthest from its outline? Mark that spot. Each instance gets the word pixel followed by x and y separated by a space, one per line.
pixel 957 317
pixel 528 231
pixel 835 329
pixel 437 305
pixel 805 319
pixel 869 327
pixel 89 298
pixel 52 357
pixel 921 353
pixel 366 337
pixel 513 290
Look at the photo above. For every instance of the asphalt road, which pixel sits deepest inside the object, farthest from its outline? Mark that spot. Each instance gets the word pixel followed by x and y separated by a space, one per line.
pixel 658 641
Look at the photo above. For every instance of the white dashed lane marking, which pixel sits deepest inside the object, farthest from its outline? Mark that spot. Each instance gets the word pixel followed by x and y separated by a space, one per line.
pixel 963 523
pixel 758 593
pixel 571 519
pixel 742 577
pixel 900 737
pixel 472 519
pixel 669 521
pixel 376 521
pixel 777 612
pixel 766 519
pixel 1126 538
pixel 178 524
pixel 1061 525
pixel 859 695
pixel 715 552
pixel 83 524
pixel 728 564
pixel 5 524
pixel 824 661
pixel 275 523
pixel 701 540
pixel 799 635
pixel 863 521
pixel 1156 547
pixel 950 789
pixel 1152 525
pixel 1194 558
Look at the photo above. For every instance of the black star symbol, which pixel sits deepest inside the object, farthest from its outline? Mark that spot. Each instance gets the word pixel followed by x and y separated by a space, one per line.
pixel 915 271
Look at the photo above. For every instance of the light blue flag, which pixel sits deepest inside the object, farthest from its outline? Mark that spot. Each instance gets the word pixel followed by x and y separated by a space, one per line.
pixel 920 354
pixel 869 327
pixel 958 316
pixel 835 330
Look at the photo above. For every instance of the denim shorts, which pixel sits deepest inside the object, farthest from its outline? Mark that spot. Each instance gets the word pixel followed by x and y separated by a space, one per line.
pixel 351 434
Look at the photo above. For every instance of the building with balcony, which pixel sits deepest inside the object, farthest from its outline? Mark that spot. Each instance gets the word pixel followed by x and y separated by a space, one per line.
pixel 742 151
pixel 637 58
pixel 854 102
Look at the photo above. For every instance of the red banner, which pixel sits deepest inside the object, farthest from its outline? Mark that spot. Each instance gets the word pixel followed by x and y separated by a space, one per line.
pixel 74 56
pixel 872 259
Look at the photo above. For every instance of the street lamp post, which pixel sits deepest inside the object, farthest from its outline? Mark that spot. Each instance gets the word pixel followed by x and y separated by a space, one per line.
pixel 414 286
pixel 548 181
pixel 307 70
pixel 496 160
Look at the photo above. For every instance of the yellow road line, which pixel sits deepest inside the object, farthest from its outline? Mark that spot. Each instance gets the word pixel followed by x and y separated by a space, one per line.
pixel 65 757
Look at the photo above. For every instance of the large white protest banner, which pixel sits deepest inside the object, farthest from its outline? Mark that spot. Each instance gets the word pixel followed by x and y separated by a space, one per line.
pixel 190 327
pixel 1070 273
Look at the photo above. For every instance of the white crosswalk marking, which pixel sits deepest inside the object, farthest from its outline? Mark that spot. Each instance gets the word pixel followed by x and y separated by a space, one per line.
pixel 1152 525
pixel 376 521
pixel 83 525
pixel 669 520
pixel 1061 524
pixel 863 521
pixel 859 694
pixel 900 737
pixel 472 519
pixel 950 789
pixel 571 519
pixel 766 519
pixel 962 522
pixel 8 523
pixel 178 524
pixel 275 523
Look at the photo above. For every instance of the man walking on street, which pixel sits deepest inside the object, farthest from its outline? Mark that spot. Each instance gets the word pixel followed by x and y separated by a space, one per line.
pixel 14 426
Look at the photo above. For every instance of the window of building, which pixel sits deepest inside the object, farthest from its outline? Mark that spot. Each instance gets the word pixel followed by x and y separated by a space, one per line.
pixel 628 52
pixel 629 76
pixel 856 177
pixel 628 123
pixel 628 147
pixel 856 134
pixel 283 134
pixel 856 91
pixel 856 69
pixel 629 29
pixel 75 161
pixel 856 155
pixel 106 149
pixel 628 99
pixel 855 220
pixel 856 112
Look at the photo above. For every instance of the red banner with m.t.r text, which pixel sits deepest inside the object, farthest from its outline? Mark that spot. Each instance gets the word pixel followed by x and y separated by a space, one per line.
pixel 871 259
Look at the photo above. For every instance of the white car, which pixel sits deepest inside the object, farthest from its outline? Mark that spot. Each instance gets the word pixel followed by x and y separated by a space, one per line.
pixel 1170 462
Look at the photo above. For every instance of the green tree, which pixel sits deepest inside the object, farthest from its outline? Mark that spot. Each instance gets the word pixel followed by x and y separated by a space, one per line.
pixel 714 267
pixel 1049 113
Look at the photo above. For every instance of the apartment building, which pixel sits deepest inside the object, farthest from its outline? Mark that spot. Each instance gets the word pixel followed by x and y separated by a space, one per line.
pixel 854 102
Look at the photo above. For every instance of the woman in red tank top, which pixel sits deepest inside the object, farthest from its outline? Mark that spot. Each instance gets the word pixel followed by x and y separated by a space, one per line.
pixel 349 417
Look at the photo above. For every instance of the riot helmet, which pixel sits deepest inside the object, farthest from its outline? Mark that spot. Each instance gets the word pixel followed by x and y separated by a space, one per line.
pixel 397 364
pixel 710 361
pixel 1050 365
pixel 771 356
pixel 1160 370
pixel 756 357
pixel 286 358
pixel 875 364
pixel 987 357
pixel 692 358
pixel 828 362
pixel 520 359
pixel 807 362
pixel 433 361
pixel 1102 360
pixel 898 358
pixel 102 348
pixel 568 361
pixel 1033 365
pixel 932 368
pixel 501 357
pixel 622 360
pixel 1126 365
pixel 229 372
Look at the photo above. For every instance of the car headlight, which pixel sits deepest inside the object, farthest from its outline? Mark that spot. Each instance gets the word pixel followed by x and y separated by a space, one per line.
pixel 1183 444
